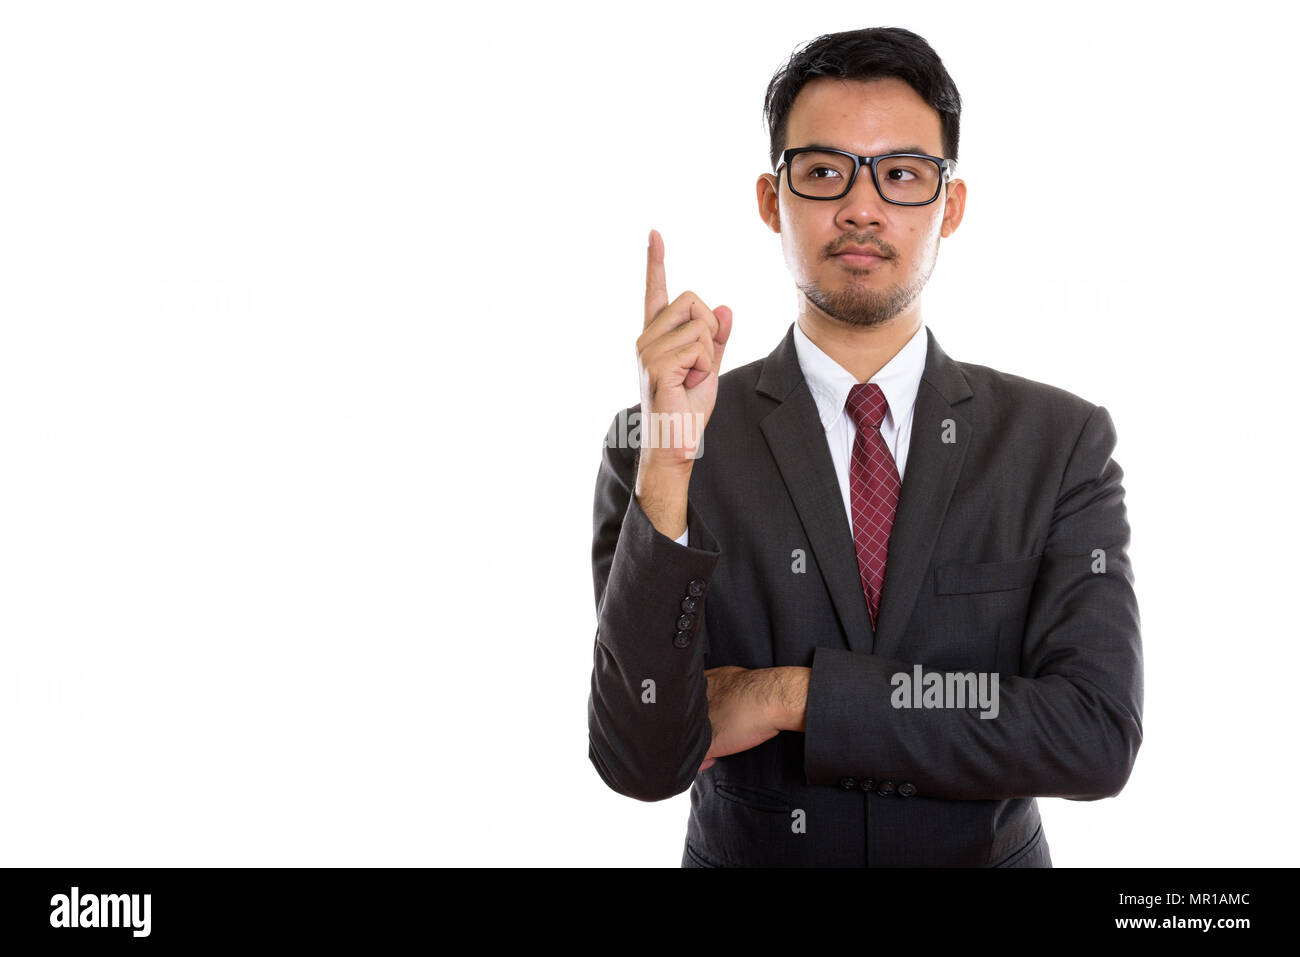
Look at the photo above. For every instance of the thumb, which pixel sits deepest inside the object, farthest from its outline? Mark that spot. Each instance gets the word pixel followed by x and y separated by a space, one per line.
pixel 723 314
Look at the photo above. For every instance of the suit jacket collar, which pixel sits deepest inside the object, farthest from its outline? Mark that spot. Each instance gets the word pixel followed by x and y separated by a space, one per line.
pixel 830 382
pixel 781 374
pixel 941 434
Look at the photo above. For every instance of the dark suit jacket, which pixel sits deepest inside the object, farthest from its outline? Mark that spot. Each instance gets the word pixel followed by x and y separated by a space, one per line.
pixel 1009 503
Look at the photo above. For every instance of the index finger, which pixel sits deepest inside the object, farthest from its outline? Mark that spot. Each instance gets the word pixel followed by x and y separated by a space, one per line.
pixel 656 284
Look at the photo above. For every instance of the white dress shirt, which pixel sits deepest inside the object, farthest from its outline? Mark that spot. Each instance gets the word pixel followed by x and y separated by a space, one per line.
pixel 829 382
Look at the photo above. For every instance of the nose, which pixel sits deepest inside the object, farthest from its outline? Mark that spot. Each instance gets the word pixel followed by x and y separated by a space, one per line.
pixel 862 205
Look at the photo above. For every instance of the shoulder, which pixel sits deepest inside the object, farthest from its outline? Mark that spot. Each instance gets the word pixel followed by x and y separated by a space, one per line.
pixel 742 378
pixel 996 385
pixel 1009 394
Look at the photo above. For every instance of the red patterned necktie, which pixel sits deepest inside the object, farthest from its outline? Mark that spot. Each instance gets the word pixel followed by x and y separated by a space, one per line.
pixel 873 489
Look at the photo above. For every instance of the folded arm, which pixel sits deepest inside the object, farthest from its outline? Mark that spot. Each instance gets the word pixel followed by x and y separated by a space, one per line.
pixel 1068 725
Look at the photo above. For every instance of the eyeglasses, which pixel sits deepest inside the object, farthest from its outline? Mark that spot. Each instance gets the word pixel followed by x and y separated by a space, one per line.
pixel 905 179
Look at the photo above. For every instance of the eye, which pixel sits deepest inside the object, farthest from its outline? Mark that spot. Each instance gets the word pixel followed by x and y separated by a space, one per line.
pixel 822 169
pixel 900 169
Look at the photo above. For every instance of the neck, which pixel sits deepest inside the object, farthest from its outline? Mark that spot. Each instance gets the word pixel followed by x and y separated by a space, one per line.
pixel 862 350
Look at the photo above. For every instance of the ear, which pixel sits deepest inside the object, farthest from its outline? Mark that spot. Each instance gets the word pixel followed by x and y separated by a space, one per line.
pixel 769 206
pixel 954 207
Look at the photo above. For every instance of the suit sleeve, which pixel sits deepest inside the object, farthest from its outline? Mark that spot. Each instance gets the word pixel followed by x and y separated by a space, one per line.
pixel 1069 725
pixel 646 741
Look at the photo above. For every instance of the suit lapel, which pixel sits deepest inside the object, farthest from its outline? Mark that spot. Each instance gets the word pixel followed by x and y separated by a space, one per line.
pixel 933 466
pixel 797 440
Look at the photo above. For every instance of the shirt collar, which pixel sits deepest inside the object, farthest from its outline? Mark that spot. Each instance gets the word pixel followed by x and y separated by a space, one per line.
pixel 829 382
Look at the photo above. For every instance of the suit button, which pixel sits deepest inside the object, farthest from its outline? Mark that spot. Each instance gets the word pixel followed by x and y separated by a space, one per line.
pixel 848 783
pixel 885 787
pixel 867 784
pixel 906 789
pixel 689 604
pixel 685 622
pixel 682 639
pixel 696 587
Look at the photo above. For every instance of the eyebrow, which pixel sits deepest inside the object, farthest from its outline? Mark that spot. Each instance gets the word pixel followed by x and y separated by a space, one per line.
pixel 892 149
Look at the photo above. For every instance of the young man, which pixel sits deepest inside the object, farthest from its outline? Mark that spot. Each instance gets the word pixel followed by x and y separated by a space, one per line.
pixel 889 601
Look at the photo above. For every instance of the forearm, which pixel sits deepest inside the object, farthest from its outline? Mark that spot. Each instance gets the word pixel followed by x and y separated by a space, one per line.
pixel 648 725
pixel 1051 736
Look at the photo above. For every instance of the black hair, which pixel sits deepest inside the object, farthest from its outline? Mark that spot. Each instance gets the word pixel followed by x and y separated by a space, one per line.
pixel 862 55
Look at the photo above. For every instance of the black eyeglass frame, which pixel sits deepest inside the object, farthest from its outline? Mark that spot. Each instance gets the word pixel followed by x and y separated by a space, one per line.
pixel 946 169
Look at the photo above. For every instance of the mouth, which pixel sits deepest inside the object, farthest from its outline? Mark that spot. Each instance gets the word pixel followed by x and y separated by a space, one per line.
pixel 859 259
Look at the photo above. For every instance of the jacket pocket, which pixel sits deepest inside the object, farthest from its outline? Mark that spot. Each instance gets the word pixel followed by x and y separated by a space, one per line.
pixel 693 858
pixel 969 579
pixel 1015 856
pixel 752 797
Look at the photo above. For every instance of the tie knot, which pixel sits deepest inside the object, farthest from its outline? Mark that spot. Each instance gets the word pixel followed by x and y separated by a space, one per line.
pixel 866 405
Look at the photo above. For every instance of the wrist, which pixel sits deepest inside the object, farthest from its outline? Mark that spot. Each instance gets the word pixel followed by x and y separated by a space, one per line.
pixel 662 493
pixel 654 467
pixel 790 705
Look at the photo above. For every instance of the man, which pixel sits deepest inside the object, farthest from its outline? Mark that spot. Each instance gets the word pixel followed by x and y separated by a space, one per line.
pixel 888 602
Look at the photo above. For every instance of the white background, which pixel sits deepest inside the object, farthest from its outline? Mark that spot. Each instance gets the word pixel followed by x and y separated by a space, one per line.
pixel 313 316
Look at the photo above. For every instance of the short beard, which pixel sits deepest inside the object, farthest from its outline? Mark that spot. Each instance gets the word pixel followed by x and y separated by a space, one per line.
pixel 859 305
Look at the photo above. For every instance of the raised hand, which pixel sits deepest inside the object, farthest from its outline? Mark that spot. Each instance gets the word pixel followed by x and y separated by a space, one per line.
pixel 679 354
